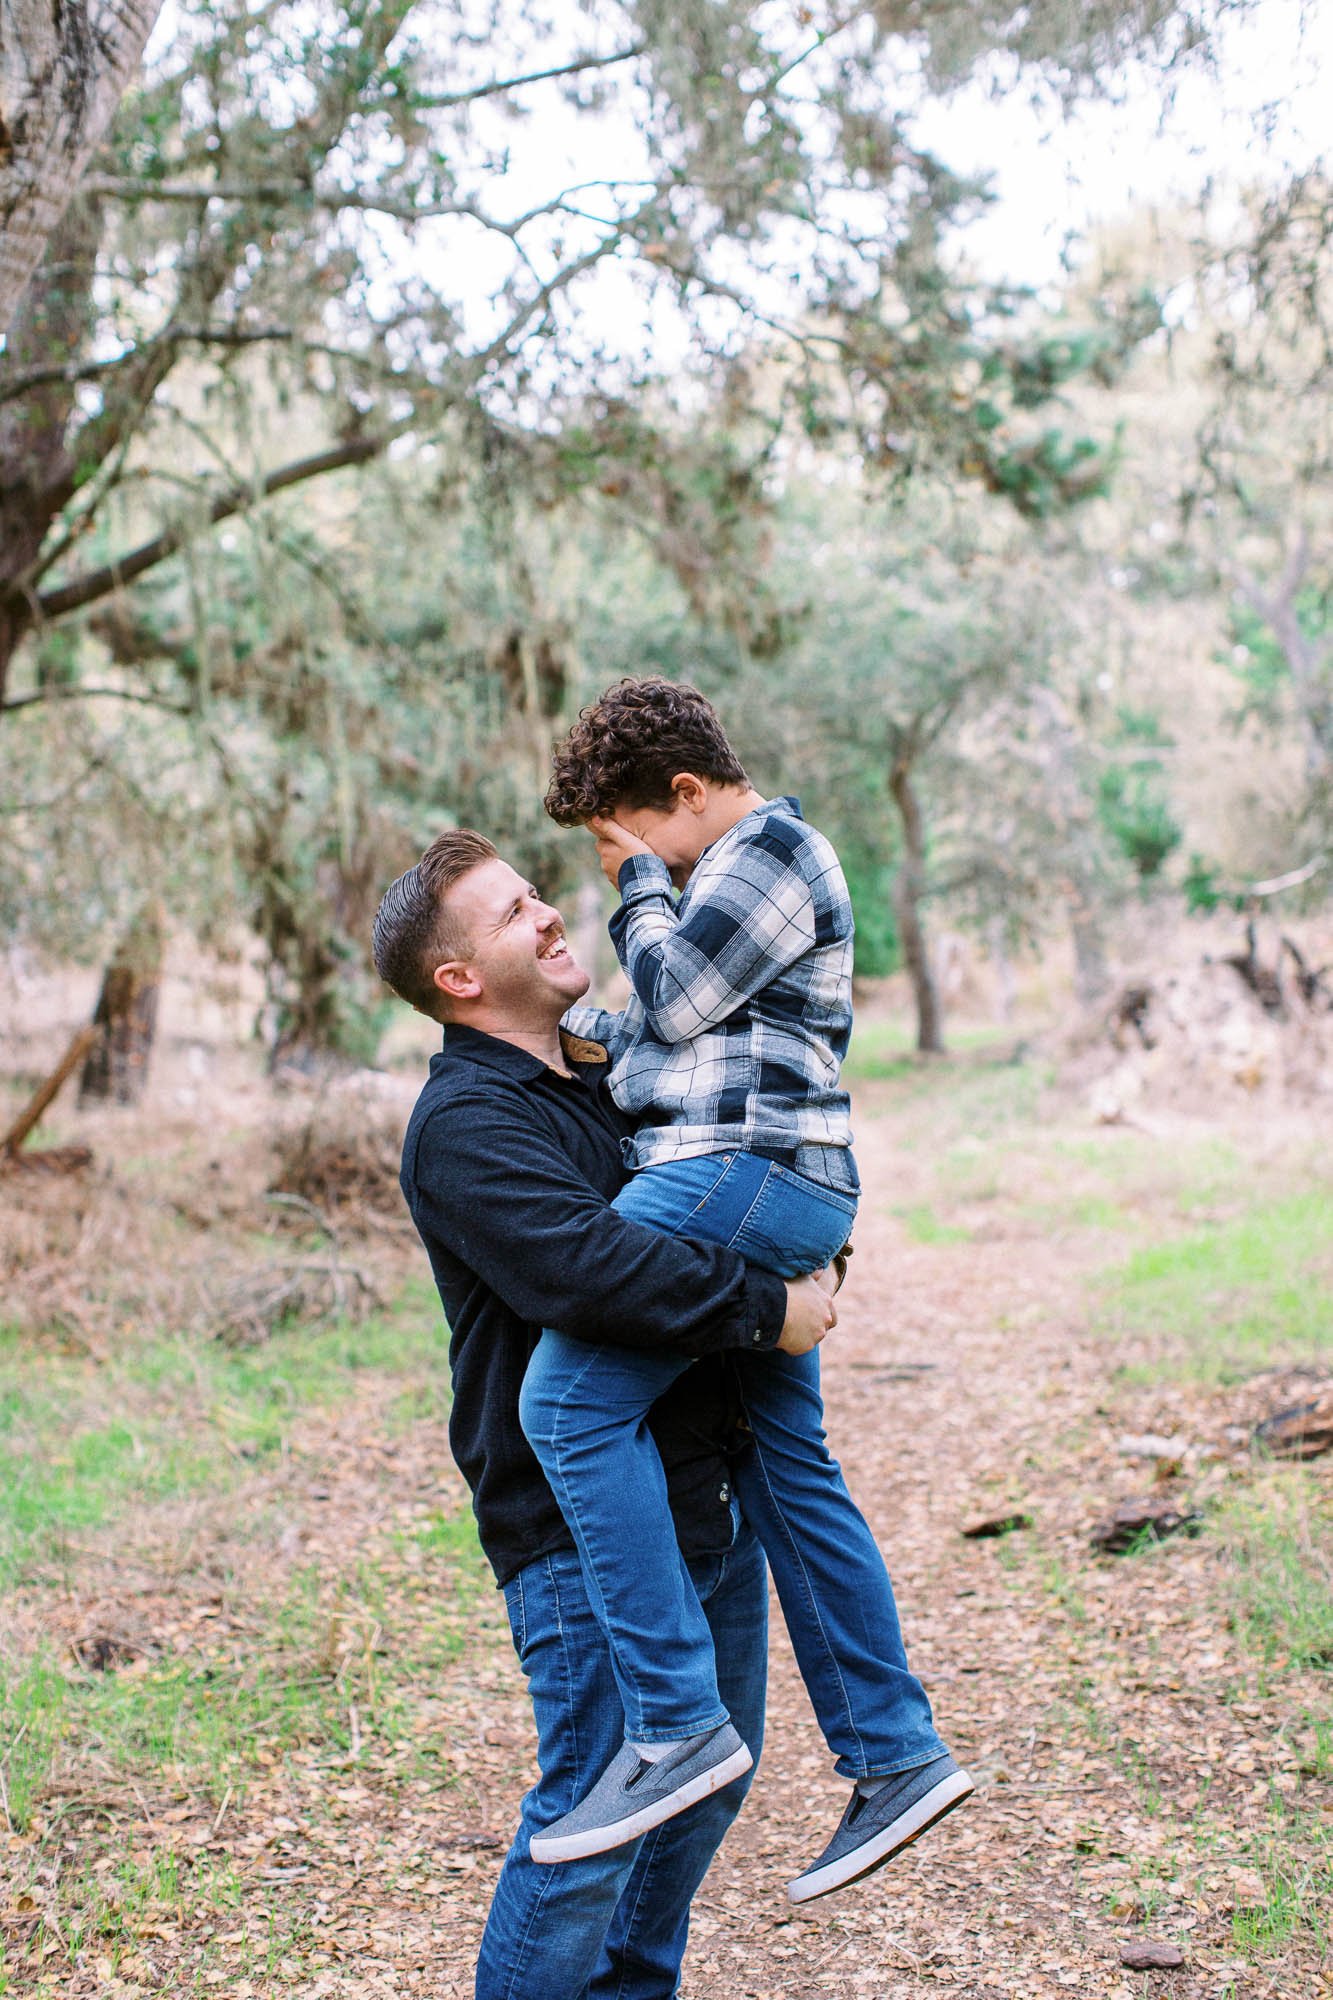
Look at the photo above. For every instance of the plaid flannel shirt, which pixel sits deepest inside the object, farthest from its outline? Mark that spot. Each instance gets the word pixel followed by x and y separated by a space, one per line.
pixel 742 997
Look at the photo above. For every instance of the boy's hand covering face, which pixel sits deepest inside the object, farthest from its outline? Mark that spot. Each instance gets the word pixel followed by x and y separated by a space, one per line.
pixel 615 844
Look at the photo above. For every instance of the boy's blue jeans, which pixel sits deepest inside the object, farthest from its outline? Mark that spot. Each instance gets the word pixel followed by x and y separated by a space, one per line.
pixel 583 1410
pixel 612 1927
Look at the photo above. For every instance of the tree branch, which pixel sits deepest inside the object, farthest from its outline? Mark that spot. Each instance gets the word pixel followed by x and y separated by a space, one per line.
pixel 83 693
pixel 112 576
pixel 88 371
pixel 447 101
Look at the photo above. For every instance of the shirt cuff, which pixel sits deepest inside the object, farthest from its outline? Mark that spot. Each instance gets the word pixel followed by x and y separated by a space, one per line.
pixel 767 1310
pixel 642 876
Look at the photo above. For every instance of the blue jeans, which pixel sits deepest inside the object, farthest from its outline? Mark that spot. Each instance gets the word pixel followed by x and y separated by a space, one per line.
pixel 612 1927
pixel 583 1410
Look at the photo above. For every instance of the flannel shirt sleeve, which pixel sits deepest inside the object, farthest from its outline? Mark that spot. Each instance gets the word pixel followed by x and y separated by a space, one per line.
pixel 596 1024
pixel 691 973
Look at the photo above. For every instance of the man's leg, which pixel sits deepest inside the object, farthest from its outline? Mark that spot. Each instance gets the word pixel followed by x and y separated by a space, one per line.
pixel 646 1942
pixel 620 1918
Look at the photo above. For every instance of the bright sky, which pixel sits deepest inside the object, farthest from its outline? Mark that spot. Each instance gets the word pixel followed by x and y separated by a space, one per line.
pixel 1265 110
pixel 1259 111
pixel 1262 110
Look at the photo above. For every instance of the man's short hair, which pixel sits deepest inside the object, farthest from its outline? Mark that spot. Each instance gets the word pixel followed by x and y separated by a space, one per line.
pixel 625 749
pixel 414 928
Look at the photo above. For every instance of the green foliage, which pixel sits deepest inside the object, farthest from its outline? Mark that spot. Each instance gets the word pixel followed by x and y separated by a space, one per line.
pixel 1136 813
pixel 1133 800
pixel 1256 656
pixel 511 506
pixel 870 884
pixel 1204 890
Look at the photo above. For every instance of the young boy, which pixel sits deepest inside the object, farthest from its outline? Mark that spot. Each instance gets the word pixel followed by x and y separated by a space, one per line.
pixel 727 1058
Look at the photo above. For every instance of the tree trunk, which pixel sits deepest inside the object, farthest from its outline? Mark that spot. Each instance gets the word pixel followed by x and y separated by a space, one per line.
pixel 64 66
pixel 126 1014
pixel 37 475
pixel 908 889
pixel 1002 967
pixel 1092 975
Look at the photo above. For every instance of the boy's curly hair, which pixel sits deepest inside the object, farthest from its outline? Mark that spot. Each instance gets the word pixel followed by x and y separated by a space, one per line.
pixel 625 749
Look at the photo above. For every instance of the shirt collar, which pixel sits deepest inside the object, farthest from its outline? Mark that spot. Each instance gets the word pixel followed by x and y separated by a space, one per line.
pixel 786 803
pixel 509 1058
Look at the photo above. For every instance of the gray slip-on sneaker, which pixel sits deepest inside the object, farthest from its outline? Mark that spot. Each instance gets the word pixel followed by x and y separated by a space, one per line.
pixel 632 1795
pixel 873 1830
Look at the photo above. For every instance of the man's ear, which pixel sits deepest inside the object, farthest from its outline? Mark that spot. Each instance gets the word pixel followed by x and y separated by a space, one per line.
pixel 457 979
pixel 690 791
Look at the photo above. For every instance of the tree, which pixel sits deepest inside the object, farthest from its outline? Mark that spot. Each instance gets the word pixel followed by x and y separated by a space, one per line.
pixel 919 618
pixel 63 71
pixel 1264 493
pixel 299 251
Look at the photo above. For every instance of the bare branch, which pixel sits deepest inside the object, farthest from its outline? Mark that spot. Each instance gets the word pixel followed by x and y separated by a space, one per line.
pixel 83 693
pixel 112 576
pixel 88 371
pixel 447 101
pixel 1293 879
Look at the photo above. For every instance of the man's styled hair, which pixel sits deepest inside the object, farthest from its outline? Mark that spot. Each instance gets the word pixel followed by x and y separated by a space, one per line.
pixel 414 928
pixel 625 749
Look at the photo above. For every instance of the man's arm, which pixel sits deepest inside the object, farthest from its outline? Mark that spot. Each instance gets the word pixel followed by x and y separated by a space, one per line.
pixel 493 1186
pixel 745 928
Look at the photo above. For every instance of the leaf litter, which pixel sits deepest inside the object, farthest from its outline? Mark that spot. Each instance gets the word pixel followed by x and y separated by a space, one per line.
pixel 1133 1759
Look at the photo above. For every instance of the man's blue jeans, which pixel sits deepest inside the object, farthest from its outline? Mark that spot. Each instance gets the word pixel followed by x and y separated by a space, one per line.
pixel 612 1927
pixel 583 1409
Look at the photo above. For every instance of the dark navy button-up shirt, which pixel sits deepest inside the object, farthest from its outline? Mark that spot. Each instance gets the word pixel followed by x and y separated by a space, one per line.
pixel 509 1170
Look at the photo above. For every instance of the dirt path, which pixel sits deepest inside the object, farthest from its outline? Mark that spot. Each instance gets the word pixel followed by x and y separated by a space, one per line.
pixel 1121 1779
pixel 1127 1754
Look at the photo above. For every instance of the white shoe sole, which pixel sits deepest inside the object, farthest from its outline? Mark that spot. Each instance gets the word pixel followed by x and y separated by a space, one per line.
pixel 859 1861
pixel 603 1839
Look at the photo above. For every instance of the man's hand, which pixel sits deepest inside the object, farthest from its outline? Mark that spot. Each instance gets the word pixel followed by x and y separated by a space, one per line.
pixel 810 1314
pixel 615 844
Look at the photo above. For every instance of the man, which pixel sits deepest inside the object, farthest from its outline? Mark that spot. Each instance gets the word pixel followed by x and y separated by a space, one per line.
pixel 511 1160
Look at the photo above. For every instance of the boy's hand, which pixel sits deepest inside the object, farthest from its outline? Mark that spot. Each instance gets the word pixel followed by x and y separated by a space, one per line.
pixel 810 1314
pixel 615 844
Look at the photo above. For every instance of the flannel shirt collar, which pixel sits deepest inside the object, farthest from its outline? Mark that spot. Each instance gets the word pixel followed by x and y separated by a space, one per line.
pixel 785 802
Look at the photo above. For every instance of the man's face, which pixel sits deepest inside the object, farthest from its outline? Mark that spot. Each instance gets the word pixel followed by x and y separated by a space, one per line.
pixel 517 947
pixel 675 835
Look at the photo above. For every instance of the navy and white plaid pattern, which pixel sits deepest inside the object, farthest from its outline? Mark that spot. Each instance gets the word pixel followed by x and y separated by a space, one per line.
pixel 742 1004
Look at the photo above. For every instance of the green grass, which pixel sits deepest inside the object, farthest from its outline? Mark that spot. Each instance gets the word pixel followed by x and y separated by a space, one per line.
pixel 1235 1297
pixel 192 1418
pixel 1294 1858
pixel 924 1226
pixel 191 1415
pixel 1277 1539
pixel 202 1720
pixel 888 1049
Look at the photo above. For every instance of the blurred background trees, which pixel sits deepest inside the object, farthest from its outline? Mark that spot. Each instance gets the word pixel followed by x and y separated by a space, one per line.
pixel 348 442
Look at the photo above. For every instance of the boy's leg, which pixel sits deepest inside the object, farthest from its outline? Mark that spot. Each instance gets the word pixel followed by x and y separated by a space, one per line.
pixel 614 1924
pixel 583 1411
pixel 835 1591
pixel 840 1611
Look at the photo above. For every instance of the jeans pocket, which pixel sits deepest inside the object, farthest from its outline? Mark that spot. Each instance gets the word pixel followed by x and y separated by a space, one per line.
pixel 724 1212
pixel 795 1226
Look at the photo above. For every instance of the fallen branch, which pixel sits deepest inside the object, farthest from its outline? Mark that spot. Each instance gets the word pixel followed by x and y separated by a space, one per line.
pixel 69 1157
pixel 1291 880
